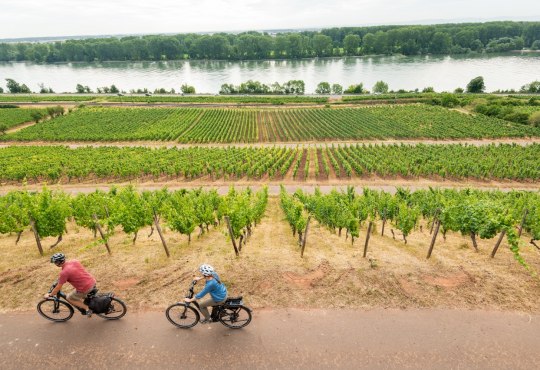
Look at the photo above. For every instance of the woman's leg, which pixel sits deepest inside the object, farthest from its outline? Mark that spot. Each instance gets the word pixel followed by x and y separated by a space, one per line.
pixel 203 306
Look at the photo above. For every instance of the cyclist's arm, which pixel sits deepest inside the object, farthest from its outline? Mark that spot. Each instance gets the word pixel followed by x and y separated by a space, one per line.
pixel 54 291
pixel 207 288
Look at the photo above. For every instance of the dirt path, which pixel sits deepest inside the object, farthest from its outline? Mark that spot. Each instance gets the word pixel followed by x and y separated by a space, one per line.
pixel 20 126
pixel 290 144
pixel 463 110
pixel 283 339
pixel 273 188
pixel 67 109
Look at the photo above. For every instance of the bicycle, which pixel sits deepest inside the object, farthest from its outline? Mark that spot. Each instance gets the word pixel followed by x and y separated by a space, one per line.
pixel 233 314
pixel 58 309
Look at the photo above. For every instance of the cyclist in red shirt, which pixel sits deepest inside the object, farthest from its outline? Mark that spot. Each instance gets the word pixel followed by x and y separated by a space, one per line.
pixel 75 274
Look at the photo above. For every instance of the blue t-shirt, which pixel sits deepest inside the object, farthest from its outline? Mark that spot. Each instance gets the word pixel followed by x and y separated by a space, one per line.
pixel 217 291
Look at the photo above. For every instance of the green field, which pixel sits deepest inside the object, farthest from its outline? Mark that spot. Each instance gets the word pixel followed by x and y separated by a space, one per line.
pixel 243 125
pixel 361 97
pixel 54 163
pixel 34 98
pixel 15 116
pixel 275 99
pixel 527 109
pixel 113 124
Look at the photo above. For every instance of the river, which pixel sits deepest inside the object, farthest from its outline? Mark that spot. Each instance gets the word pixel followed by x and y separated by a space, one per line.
pixel 444 73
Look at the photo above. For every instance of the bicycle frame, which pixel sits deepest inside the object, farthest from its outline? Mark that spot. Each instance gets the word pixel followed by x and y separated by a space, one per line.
pixel 61 296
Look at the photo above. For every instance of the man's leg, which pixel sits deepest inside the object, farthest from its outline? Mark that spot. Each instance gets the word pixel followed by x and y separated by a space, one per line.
pixel 203 306
pixel 76 299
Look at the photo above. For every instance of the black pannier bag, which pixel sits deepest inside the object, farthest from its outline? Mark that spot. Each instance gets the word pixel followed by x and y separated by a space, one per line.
pixel 234 301
pixel 99 304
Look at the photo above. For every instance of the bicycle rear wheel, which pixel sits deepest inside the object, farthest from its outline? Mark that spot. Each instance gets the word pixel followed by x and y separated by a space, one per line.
pixel 182 315
pixel 235 317
pixel 54 310
pixel 117 309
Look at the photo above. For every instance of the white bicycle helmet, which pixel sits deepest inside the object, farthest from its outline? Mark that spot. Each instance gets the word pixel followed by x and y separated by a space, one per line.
pixel 206 270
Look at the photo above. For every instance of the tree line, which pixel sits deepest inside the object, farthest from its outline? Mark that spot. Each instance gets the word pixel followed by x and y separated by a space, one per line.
pixel 294 87
pixel 354 41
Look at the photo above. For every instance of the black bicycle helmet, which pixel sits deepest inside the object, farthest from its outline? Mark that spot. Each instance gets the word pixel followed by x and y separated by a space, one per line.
pixel 58 258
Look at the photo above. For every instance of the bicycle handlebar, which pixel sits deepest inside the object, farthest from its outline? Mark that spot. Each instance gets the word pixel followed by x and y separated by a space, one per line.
pixel 190 291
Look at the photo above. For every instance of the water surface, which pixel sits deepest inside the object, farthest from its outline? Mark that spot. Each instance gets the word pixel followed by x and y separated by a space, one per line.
pixel 444 73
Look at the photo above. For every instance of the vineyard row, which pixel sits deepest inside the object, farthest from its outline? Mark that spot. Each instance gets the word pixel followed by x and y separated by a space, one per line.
pixel 47 212
pixel 196 125
pixel 61 164
pixel 475 214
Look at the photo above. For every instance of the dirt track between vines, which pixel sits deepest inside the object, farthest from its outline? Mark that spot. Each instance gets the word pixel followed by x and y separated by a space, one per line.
pixel 223 187
pixel 287 144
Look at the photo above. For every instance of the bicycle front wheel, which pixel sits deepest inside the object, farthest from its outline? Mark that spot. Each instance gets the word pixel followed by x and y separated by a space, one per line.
pixel 117 309
pixel 235 317
pixel 55 310
pixel 182 315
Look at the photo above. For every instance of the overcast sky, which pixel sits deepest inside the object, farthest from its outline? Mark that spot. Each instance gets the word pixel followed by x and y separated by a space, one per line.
pixel 37 18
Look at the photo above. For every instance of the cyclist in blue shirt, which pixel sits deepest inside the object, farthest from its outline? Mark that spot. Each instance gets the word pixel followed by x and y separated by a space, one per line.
pixel 217 290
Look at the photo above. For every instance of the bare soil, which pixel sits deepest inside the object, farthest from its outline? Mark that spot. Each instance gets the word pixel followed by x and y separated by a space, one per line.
pixel 322 176
pixel 300 175
pixel 463 110
pixel 270 272
pixel 20 127
pixel 222 185
pixel 278 142
pixel 263 135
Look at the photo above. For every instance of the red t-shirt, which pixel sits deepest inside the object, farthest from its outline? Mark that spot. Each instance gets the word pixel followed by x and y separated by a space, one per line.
pixel 75 274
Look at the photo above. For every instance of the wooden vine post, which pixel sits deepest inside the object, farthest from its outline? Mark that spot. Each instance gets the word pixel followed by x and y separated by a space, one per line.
pixel 435 219
pixel 98 227
pixel 36 235
pixel 525 213
pixel 240 240
pixel 158 228
pixel 473 238
pixel 433 238
pixel 503 233
pixel 228 221
pixel 367 238
pixel 383 222
pixel 304 238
